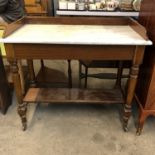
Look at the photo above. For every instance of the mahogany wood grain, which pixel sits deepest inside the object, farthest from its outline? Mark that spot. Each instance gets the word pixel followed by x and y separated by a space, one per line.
pixel 145 92
pixel 72 52
pixel 77 20
pixel 10 28
pixel 138 28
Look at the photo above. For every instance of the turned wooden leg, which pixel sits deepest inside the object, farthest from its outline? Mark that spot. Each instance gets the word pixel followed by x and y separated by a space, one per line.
pixel 31 72
pixel 22 109
pixel 127 113
pixel 18 90
pixel 137 59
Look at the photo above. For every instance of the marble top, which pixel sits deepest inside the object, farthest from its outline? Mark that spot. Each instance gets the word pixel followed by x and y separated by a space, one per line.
pixel 76 34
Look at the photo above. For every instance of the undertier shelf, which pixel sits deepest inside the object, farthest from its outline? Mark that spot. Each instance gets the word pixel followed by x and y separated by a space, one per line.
pixel 74 95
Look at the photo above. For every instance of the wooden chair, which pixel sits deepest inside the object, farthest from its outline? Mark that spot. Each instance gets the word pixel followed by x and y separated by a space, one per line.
pixel 102 64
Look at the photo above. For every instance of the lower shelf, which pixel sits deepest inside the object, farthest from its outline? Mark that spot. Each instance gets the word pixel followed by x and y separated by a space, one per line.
pixel 66 95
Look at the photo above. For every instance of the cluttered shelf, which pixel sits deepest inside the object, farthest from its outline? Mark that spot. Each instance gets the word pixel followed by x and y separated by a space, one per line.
pixel 99 7
pixel 97 13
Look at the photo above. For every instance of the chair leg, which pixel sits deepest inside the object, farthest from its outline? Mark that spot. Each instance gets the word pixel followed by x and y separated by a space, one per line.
pixel 119 74
pixel 69 74
pixel 86 74
pixel 80 72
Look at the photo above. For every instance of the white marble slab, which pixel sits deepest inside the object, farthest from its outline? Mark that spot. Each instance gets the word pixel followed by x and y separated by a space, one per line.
pixel 76 34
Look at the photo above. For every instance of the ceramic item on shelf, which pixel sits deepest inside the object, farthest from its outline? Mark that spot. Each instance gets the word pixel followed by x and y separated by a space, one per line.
pixel 90 1
pixel 103 5
pixel 81 6
pixel 126 5
pixel 92 7
pixel 98 5
pixel 136 5
pixel 71 5
pixel 63 5
pixel 111 5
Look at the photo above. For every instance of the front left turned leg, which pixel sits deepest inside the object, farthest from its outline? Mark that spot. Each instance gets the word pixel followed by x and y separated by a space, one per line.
pixel 18 89
pixel 126 116
pixel 22 109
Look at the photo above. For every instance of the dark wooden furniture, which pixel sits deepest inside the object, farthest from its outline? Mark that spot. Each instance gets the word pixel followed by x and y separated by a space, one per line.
pixel 119 65
pixel 5 93
pixel 145 93
pixel 79 49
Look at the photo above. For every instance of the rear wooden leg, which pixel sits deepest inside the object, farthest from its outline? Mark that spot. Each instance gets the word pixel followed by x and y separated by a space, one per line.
pixel 22 109
pixel 31 72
